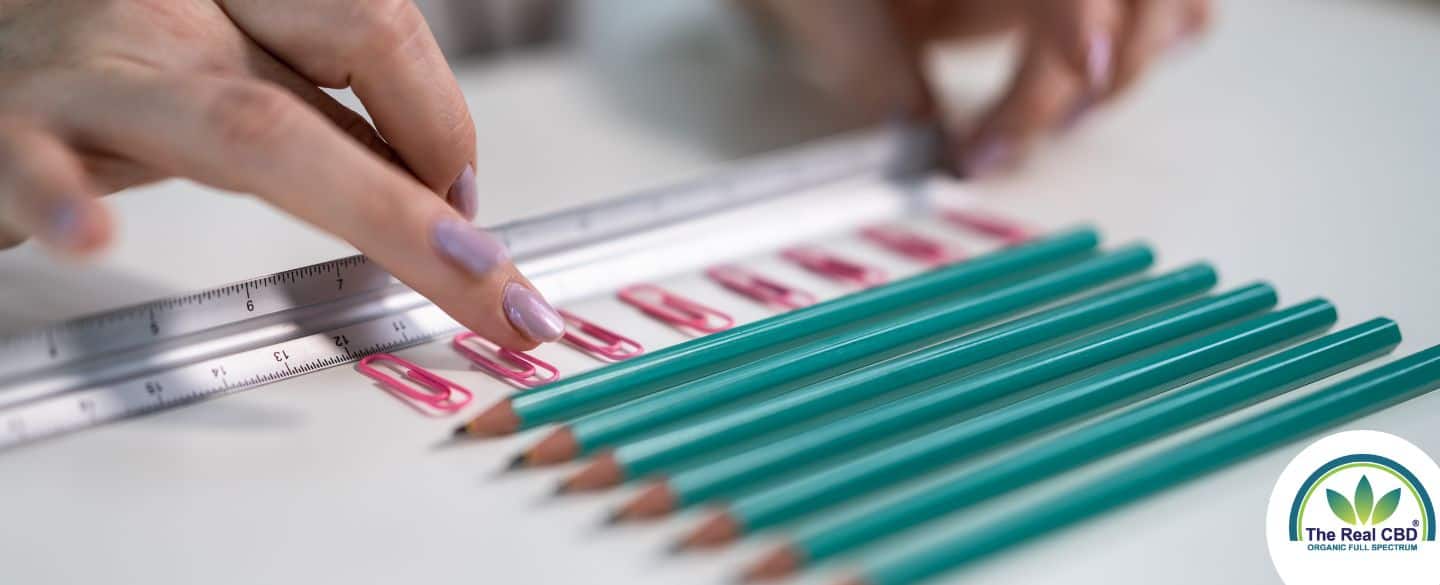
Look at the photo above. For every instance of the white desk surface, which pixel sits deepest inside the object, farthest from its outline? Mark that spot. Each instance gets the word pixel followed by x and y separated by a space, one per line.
pixel 1299 145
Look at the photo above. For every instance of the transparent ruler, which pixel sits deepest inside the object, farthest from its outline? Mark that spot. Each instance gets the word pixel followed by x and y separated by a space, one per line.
pixel 169 352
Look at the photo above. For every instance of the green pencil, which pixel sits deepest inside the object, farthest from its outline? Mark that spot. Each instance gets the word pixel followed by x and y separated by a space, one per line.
pixel 690 360
pixel 849 349
pixel 653 454
pixel 1122 383
pixel 781 454
pixel 1366 393
pixel 1226 392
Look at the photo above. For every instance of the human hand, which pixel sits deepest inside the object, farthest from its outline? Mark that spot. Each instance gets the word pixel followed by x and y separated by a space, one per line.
pixel 1077 55
pixel 97 96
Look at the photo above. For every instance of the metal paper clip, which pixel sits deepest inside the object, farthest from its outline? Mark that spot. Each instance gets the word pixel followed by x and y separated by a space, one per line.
pixel 606 343
pixel 523 365
pixel 760 288
pixel 1007 231
pixel 674 309
pixel 430 389
pixel 911 245
pixel 835 267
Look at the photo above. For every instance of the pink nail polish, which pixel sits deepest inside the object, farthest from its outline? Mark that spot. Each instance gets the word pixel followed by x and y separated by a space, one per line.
pixel 989 156
pixel 530 314
pixel 464 195
pixel 469 246
pixel 1099 59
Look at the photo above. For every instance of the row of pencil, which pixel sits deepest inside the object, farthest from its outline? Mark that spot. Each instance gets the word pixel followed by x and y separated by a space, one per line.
pixel 772 422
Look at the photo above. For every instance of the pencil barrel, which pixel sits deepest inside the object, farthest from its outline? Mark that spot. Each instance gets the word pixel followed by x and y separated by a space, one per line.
pixel 725 475
pixel 1385 386
pixel 696 358
pixel 1125 382
pixel 1185 407
pixel 653 454
pixel 855 348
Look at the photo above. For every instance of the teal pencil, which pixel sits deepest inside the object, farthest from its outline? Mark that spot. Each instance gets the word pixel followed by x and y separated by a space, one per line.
pixel 652 454
pixel 1120 384
pixel 1366 393
pixel 781 454
pixel 849 349
pixel 699 357
pixel 1261 380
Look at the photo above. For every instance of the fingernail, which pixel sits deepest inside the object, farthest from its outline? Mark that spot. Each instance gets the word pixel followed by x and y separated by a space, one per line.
pixel 464 195
pixel 531 314
pixel 469 246
pixel 66 225
pixel 1099 59
pixel 988 156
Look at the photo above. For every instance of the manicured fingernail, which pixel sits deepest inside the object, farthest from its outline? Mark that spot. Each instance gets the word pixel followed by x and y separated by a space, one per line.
pixel 469 246
pixel 988 156
pixel 66 225
pixel 464 196
pixel 531 314
pixel 1099 59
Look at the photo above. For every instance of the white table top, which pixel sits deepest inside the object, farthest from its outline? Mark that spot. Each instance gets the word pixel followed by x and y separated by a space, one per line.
pixel 1297 146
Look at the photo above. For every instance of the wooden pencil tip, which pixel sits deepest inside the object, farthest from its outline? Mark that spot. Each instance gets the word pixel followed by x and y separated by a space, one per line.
pixel 516 462
pixel 721 529
pixel 781 562
pixel 558 447
pixel 601 473
pixel 652 502
pixel 499 419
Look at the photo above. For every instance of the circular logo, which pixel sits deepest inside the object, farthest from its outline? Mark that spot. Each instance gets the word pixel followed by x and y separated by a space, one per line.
pixel 1354 507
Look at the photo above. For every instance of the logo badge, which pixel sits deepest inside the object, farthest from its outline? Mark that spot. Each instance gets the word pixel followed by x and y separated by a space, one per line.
pixel 1354 507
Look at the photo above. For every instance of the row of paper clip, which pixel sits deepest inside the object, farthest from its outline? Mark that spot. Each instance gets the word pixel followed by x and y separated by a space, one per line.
pixel 428 390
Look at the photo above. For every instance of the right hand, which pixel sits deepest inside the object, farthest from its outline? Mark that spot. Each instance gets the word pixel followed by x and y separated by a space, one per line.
pixel 100 95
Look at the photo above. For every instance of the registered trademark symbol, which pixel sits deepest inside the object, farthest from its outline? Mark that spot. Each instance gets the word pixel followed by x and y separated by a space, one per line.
pixel 1414 522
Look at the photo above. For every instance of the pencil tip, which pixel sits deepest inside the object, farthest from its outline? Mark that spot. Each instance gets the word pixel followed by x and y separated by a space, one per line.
pixel 516 462
pixel 461 431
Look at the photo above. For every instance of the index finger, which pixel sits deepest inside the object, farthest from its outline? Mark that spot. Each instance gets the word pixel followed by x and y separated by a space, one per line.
pixel 385 52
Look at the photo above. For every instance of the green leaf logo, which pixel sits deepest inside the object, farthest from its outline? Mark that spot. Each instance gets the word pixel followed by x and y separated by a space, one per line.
pixel 1364 500
pixel 1386 506
pixel 1341 507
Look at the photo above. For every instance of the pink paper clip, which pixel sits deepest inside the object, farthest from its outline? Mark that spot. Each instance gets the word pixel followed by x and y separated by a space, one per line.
pixel 911 245
pixel 835 267
pixel 522 371
pixel 1007 231
pixel 760 288
pixel 674 309
pixel 606 343
pixel 430 389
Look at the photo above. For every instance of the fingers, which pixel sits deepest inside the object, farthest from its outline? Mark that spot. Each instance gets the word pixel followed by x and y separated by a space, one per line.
pixel 1152 28
pixel 1083 32
pixel 45 192
pixel 384 51
pixel 259 138
pixel 1043 94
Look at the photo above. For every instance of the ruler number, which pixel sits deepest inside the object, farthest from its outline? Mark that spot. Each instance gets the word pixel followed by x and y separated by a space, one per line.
pixel 339 284
pixel 341 341
pixel 87 406
pixel 154 388
pixel 250 305
pixel 218 371
pixel 281 355
pixel 397 325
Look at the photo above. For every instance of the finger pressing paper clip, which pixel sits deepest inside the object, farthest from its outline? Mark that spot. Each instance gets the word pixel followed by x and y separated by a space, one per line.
pixel 760 288
pixel 835 267
pixel 911 245
pixel 518 367
pixel 675 309
pixel 1009 232
pixel 428 389
pixel 598 340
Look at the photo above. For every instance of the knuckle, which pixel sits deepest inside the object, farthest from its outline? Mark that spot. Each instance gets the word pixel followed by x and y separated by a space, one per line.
pixel 248 113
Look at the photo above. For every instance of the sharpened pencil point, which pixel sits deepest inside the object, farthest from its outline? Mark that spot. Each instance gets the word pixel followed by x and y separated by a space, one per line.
pixel 462 431
pixel 516 462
